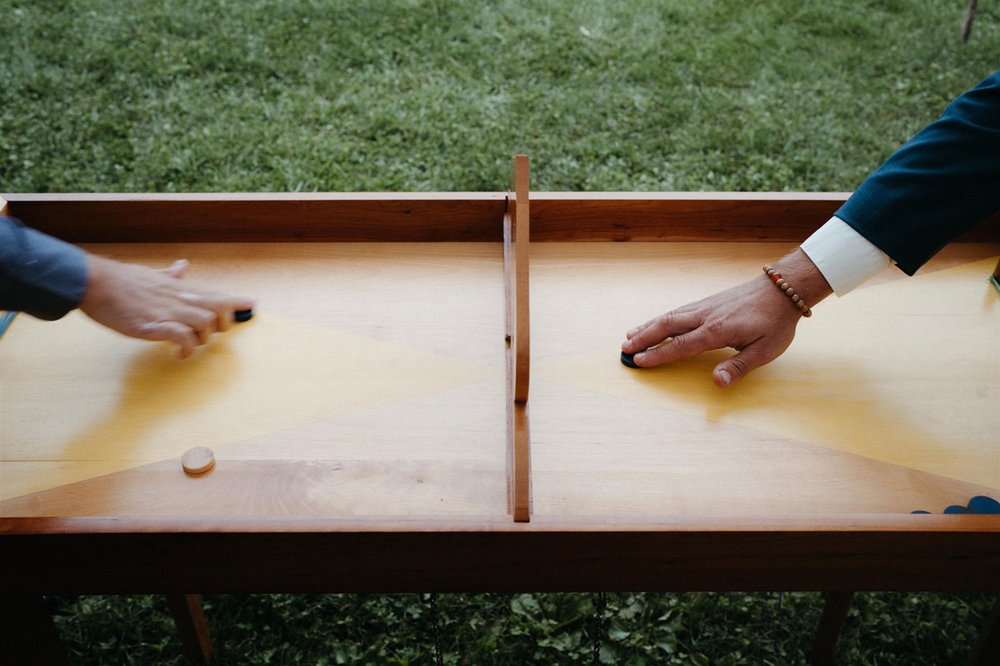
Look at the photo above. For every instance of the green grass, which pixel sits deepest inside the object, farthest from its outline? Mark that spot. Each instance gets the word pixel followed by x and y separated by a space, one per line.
pixel 227 95
pixel 435 95
pixel 667 629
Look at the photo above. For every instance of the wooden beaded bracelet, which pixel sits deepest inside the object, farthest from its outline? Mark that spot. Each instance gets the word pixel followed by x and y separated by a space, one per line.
pixel 787 289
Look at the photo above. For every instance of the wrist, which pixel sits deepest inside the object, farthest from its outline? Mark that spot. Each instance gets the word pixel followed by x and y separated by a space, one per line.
pixel 96 272
pixel 805 278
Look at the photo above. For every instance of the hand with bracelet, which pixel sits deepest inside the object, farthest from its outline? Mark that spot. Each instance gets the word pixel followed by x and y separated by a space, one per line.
pixel 941 183
pixel 756 318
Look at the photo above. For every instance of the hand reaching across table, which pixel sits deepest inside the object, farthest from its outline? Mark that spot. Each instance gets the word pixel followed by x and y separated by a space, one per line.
pixel 941 183
pixel 156 304
pixel 46 278
pixel 756 318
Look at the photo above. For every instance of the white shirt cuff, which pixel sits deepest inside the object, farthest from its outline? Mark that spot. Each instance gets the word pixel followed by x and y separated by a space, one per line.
pixel 843 256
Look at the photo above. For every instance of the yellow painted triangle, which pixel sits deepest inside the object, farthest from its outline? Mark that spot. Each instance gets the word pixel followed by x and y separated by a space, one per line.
pixel 77 401
pixel 907 372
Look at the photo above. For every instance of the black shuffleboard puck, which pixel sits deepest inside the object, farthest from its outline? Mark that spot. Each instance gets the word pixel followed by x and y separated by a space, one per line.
pixel 627 361
pixel 242 315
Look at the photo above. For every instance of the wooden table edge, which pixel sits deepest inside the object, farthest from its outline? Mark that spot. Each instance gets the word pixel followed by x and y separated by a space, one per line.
pixel 493 554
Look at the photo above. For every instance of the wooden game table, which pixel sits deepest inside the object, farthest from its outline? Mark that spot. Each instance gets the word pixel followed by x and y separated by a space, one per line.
pixel 366 438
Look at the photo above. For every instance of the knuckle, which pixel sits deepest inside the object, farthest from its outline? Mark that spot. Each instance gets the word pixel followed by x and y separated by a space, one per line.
pixel 680 343
pixel 664 321
pixel 738 366
pixel 205 319
pixel 715 325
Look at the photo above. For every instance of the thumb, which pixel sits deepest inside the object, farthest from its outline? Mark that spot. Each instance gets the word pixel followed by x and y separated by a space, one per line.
pixel 171 331
pixel 736 368
pixel 177 269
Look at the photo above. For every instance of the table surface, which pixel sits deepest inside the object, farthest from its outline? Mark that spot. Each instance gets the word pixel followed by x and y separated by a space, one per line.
pixel 369 389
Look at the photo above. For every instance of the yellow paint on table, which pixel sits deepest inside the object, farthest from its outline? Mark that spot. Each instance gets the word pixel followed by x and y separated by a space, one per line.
pixel 77 401
pixel 907 372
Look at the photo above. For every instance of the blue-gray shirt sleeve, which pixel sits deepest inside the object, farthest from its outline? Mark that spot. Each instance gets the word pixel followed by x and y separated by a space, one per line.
pixel 39 274
pixel 941 183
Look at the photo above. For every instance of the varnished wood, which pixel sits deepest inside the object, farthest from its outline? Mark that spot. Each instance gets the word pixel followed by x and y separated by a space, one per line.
pixel 594 453
pixel 986 651
pixel 522 463
pixel 436 216
pixel 248 217
pixel 508 279
pixel 127 555
pixel 517 238
pixel 407 492
pixel 836 605
pixel 518 460
pixel 191 626
pixel 28 637
pixel 520 269
pixel 693 216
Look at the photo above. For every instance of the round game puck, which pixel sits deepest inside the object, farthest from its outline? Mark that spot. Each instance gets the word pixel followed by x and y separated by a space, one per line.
pixel 198 460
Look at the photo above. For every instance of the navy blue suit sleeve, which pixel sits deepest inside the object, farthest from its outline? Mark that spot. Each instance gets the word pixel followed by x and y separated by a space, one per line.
pixel 941 183
pixel 40 275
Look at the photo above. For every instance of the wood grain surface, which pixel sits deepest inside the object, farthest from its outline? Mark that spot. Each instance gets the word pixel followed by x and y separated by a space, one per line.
pixel 434 216
pixel 359 429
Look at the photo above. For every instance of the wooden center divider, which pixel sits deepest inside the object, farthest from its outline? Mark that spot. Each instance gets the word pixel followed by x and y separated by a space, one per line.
pixel 516 232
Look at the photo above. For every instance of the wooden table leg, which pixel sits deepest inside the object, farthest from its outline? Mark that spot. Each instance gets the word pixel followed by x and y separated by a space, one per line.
pixel 987 650
pixel 835 609
pixel 191 626
pixel 28 637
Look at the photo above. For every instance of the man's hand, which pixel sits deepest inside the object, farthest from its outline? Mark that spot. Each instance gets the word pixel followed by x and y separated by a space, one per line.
pixel 755 318
pixel 155 304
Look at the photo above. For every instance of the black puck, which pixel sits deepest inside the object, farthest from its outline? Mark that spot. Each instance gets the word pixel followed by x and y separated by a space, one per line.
pixel 627 361
pixel 242 315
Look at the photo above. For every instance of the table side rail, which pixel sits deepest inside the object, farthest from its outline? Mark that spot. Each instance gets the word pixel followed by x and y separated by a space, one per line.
pixel 878 552
pixel 433 216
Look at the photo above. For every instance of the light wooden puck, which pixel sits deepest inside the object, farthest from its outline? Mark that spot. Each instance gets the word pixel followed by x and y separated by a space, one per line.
pixel 198 460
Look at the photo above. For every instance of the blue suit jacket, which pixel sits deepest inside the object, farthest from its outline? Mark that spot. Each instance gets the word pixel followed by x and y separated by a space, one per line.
pixel 941 183
pixel 40 275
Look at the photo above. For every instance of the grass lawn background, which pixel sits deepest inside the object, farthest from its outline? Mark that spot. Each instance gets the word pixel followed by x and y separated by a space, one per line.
pixel 254 95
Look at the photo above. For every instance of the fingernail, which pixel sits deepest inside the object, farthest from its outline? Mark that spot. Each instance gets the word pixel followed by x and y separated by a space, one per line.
pixel 641 356
pixel 727 378
pixel 631 332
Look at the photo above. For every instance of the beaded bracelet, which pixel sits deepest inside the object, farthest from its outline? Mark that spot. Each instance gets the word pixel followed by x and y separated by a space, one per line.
pixel 787 289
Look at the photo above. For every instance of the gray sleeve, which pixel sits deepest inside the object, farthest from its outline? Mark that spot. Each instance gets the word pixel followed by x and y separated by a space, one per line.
pixel 39 274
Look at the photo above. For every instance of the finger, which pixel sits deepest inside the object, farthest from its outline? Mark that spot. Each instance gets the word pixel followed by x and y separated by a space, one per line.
pixel 171 331
pixel 679 347
pixel 690 307
pixel 224 319
pixel 177 269
pixel 222 306
pixel 737 367
pixel 200 320
pixel 657 330
pixel 225 311
pixel 641 327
